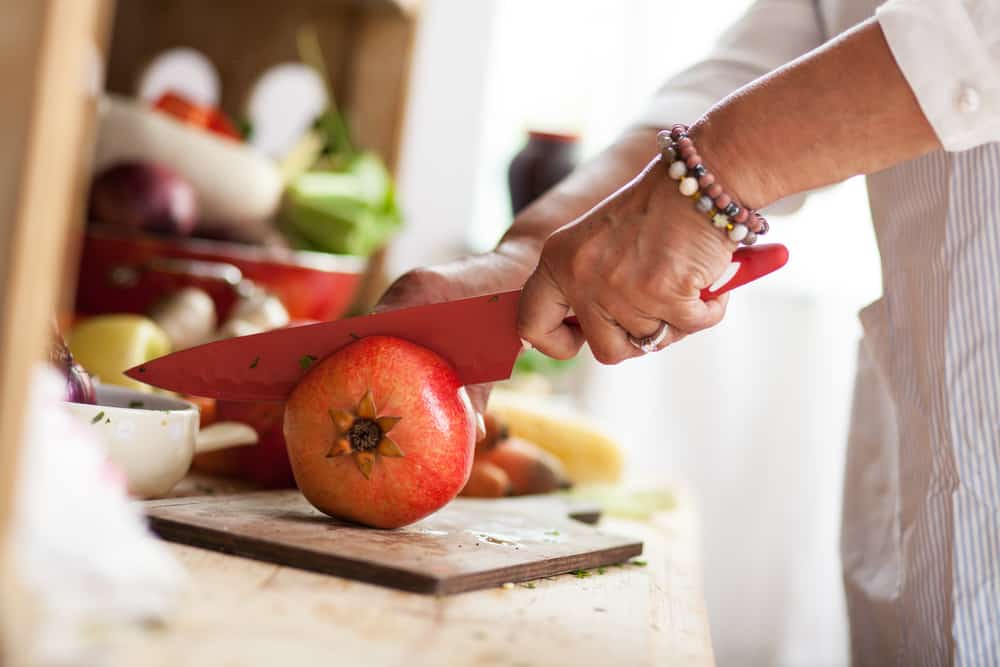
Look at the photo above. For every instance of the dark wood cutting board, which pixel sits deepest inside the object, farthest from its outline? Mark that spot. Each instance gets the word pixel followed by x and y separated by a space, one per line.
pixel 468 545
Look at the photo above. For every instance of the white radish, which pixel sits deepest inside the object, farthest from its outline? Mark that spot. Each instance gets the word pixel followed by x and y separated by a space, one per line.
pixel 237 187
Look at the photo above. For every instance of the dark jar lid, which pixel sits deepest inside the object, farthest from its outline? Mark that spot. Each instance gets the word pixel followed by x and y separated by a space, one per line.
pixel 554 137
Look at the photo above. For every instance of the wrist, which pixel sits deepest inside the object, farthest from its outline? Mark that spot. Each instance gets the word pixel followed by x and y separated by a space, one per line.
pixel 732 155
pixel 686 166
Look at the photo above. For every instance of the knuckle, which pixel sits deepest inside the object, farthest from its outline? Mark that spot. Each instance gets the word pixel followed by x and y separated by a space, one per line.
pixel 689 318
pixel 606 354
pixel 691 282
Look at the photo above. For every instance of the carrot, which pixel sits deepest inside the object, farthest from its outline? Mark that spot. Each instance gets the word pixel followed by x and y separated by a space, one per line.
pixel 531 469
pixel 486 481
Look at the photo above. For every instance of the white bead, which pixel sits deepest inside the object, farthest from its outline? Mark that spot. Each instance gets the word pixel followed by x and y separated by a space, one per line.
pixel 689 186
pixel 738 232
pixel 678 170
pixel 663 139
pixel 720 221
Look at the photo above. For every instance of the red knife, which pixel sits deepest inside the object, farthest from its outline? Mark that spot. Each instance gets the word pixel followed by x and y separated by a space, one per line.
pixel 478 336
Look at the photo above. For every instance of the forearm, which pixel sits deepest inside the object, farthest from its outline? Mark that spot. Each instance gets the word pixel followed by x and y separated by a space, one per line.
pixel 842 110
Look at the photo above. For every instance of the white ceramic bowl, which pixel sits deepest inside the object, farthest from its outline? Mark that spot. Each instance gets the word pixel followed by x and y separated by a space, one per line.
pixel 152 438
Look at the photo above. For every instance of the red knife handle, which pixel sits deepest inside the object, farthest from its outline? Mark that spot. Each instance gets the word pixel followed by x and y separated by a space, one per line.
pixel 749 263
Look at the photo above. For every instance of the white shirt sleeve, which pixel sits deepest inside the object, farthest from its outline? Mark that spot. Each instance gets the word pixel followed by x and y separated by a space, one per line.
pixel 949 53
pixel 771 33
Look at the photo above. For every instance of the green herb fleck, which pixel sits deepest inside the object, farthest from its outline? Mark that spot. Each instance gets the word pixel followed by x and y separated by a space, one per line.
pixel 618 565
pixel 142 369
pixel 552 532
pixel 98 417
pixel 256 360
pixel 355 336
pixel 136 404
pixel 166 412
pixel 639 563
pixel 580 574
pixel 306 361
pixel 108 420
pixel 601 570
pixel 528 585
pixel 494 298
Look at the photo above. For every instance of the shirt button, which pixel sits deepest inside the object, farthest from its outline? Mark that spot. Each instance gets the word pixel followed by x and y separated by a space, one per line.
pixel 968 100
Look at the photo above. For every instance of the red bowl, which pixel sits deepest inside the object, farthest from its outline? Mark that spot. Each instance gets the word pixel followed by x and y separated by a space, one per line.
pixel 129 273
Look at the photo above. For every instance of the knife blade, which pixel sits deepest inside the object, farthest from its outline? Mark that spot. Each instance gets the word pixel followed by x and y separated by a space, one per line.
pixel 477 336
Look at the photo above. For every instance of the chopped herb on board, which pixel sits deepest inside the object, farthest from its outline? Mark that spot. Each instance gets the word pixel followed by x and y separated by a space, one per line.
pixel 98 417
pixel 580 574
pixel 554 533
pixel 306 361
pixel 256 360
pixel 640 563
pixel 601 570
pixel 136 404
pixel 528 585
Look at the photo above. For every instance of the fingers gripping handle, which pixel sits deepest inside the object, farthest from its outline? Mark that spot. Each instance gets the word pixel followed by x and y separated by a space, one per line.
pixel 749 264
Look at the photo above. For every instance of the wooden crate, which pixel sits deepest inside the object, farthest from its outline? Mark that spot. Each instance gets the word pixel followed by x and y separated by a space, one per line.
pixel 366 45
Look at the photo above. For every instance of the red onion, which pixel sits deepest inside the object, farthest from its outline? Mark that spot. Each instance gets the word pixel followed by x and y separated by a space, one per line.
pixel 143 196
pixel 79 386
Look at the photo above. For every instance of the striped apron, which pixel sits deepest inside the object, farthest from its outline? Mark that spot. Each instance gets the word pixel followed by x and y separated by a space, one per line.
pixel 921 524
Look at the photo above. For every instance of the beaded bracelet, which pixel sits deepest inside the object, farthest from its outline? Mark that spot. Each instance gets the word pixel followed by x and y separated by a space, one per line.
pixel 743 225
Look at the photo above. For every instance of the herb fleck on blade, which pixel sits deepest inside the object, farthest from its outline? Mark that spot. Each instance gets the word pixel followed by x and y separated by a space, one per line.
pixel 256 360
pixel 306 361
pixel 136 404
pixel 494 298
pixel 98 417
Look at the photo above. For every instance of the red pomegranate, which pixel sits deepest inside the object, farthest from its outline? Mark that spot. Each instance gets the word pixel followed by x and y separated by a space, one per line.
pixel 381 432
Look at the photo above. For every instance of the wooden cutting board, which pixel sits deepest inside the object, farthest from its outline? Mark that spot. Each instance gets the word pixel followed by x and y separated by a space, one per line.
pixel 468 545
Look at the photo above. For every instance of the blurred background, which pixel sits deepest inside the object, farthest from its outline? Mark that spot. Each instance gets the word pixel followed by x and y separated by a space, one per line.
pixel 306 209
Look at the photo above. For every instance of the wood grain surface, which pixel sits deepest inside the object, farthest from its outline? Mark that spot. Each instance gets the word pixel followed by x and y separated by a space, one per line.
pixel 244 613
pixel 468 545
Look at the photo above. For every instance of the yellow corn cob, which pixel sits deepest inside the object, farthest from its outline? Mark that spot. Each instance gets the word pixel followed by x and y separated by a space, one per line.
pixel 589 454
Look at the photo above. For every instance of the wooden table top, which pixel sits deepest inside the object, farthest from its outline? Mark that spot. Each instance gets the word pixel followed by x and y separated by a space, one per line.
pixel 240 612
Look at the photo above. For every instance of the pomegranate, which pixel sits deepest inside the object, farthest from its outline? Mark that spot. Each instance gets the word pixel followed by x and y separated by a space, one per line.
pixel 381 432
